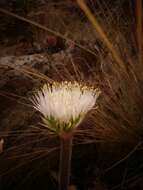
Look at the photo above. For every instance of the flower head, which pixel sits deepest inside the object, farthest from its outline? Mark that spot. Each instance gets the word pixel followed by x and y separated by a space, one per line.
pixel 64 105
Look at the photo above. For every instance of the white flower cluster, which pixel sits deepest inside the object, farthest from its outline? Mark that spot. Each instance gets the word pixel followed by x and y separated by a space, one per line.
pixel 64 104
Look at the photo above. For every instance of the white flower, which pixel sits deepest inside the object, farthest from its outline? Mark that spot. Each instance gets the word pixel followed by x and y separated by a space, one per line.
pixel 64 104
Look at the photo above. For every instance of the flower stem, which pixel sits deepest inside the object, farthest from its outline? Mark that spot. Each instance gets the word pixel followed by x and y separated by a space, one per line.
pixel 65 160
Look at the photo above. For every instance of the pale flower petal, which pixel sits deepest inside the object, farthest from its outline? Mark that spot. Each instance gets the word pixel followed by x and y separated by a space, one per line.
pixel 65 103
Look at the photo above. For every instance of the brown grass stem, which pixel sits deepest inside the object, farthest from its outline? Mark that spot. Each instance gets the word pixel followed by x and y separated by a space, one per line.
pixel 100 31
pixel 139 28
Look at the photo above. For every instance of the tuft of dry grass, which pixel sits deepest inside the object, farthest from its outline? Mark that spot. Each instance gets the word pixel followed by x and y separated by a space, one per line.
pixel 120 85
pixel 118 118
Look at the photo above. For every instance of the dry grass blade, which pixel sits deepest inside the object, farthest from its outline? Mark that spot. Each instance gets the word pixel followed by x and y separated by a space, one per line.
pixel 102 34
pixel 30 159
pixel 14 97
pixel 125 158
pixel 139 16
